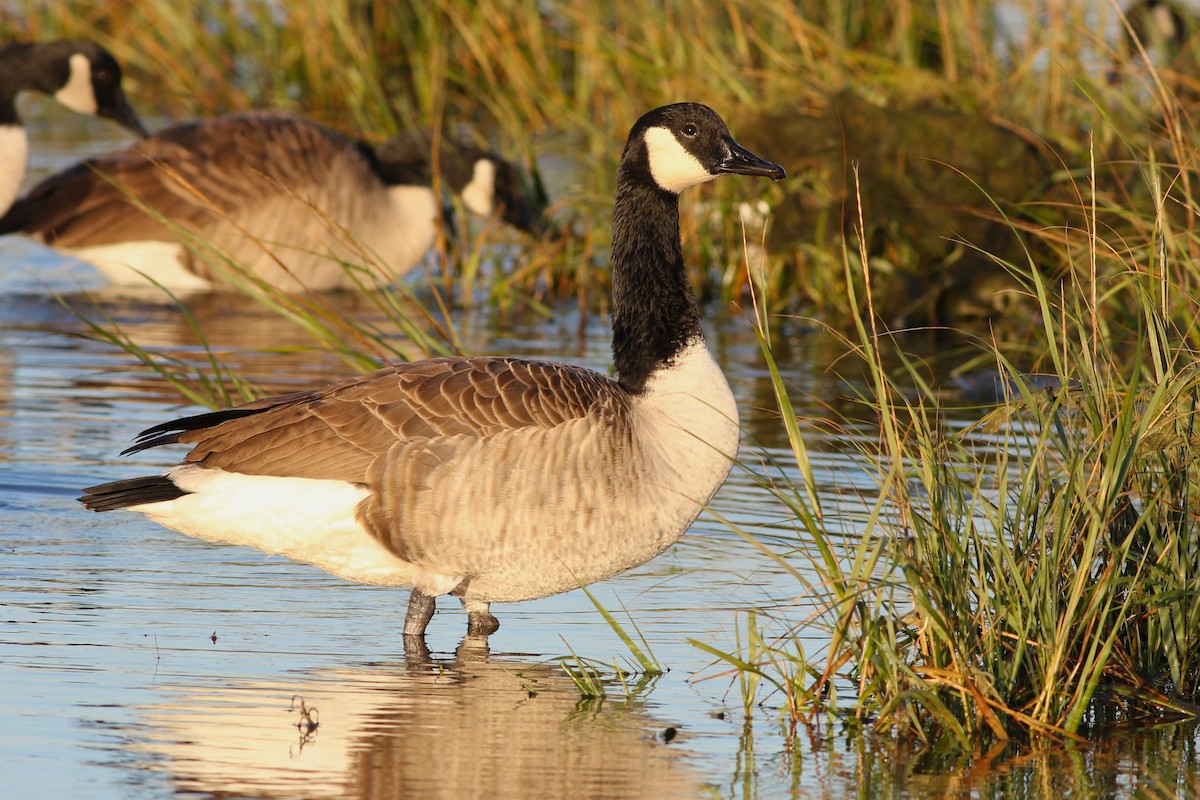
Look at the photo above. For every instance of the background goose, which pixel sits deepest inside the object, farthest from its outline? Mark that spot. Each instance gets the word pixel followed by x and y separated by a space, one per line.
pixel 81 75
pixel 285 197
pixel 492 479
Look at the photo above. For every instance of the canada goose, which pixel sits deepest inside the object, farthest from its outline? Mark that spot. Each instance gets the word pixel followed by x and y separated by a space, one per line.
pixel 285 197
pixel 81 75
pixel 493 479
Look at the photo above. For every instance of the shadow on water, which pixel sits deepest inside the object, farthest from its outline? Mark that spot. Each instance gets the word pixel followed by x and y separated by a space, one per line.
pixel 475 725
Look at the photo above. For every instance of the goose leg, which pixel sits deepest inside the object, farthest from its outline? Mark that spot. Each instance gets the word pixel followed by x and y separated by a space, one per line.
pixel 480 621
pixel 420 610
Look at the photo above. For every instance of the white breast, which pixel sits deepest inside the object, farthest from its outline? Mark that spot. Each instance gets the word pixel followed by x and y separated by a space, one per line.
pixel 302 240
pixel 409 229
pixel 688 421
pixel 14 153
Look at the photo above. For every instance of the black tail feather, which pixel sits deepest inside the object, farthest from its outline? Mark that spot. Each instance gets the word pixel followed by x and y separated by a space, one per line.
pixel 131 492
pixel 169 432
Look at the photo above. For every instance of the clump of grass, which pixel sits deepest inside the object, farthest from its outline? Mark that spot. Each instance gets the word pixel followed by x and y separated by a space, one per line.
pixel 593 677
pixel 1037 573
pixel 642 653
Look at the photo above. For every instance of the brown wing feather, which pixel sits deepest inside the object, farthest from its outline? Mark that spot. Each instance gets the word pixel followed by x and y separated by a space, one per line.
pixel 337 432
pixel 193 174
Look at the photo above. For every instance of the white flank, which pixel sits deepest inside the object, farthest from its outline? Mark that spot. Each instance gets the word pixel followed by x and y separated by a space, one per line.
pixel 479 196
pixel 77 94
pixel 14 153
pixel 141 264
pixel 690 417
pixel 302 518
pixel 671 165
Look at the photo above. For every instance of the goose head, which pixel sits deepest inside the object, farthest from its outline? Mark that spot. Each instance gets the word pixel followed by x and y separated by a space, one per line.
pixel 486 182
pixel 84 77
pixel 685 144
pixel 495 184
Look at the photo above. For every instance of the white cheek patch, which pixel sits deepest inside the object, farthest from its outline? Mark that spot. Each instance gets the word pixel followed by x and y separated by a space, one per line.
pixel 673 167
pixel 479 196
pixel 77 94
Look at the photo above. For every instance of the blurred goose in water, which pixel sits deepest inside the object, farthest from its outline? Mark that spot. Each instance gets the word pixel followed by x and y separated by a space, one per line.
pixel 81 75
pixel 492 479
pixel 284 197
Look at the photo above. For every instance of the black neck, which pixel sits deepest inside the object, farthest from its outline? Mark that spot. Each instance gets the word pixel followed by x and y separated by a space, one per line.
pixel 8 109
pixel 22 68
pixel 10 83
pixel 653 306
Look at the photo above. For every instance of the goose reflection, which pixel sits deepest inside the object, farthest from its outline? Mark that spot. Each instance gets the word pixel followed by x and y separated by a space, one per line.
pixel 473 726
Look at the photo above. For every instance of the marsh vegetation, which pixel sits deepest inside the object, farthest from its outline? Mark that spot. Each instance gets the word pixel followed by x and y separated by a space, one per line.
pixel 1023 180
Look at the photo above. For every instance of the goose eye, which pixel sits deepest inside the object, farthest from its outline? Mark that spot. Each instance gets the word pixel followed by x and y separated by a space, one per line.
pixel 690 130
pixel 101 76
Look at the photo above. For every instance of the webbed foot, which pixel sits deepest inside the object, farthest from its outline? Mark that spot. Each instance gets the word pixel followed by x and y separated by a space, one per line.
pixel 481 623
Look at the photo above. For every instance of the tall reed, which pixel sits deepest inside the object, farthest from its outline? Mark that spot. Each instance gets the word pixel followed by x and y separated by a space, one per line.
pixel 574 74
pixel 1039 571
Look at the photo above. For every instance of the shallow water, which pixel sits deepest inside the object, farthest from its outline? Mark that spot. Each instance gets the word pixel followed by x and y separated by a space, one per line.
pixel 136 662
pixel 134 655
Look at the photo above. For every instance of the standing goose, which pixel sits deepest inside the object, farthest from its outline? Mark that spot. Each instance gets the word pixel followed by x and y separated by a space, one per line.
pixel 286 198
pixel 81 75
pixel 492 479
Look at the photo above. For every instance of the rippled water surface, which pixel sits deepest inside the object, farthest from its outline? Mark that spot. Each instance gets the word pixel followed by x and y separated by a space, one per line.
pixel 136 662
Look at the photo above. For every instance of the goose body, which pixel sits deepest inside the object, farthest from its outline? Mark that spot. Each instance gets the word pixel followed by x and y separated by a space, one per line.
pixel 493 479
pixel 79 74
pixel 284 197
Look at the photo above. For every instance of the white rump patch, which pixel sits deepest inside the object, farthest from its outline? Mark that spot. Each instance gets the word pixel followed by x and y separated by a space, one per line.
pixel 305 519
pixel 14 153
pixel 78 94
pixel 479 196
pixel 671 165
pixel 135 263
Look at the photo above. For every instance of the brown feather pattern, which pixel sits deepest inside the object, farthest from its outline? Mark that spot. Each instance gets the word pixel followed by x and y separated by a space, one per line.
pixel 194 174
pixel 281 195
pixel 325 433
